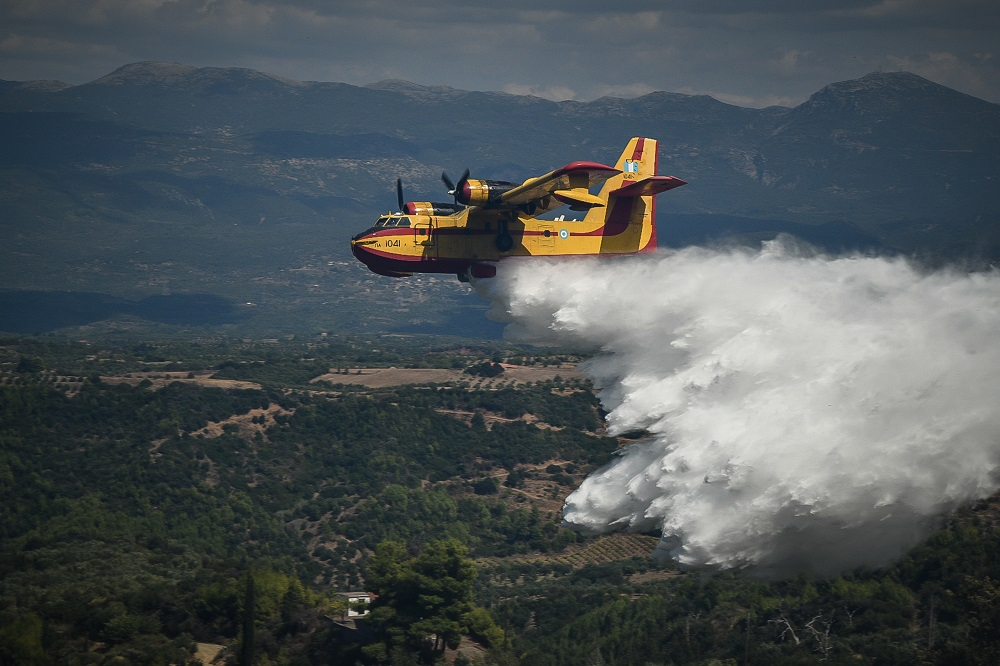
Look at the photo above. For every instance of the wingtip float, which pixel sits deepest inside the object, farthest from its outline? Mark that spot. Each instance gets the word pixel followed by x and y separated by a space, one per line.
pixel 491 220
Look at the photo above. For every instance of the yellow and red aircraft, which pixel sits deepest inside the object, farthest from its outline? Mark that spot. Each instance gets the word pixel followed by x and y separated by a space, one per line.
pixel 491 220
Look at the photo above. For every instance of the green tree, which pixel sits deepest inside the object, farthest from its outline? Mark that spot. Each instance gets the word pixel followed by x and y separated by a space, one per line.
pixel 249 610
pixel 425 600
pixel 28 364
pixel 983 599
pixel 21 640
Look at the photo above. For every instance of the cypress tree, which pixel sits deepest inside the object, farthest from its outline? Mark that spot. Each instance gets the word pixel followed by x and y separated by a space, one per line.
pixel 249 609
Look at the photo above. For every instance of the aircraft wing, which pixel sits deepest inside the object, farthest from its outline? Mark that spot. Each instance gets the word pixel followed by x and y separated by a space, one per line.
pixel 575 177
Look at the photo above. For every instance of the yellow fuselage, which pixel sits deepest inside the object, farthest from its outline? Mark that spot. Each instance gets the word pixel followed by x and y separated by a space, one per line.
pixel 620 220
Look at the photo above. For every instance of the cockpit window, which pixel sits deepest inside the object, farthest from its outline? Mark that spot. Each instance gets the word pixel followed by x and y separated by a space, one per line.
pixel 389 221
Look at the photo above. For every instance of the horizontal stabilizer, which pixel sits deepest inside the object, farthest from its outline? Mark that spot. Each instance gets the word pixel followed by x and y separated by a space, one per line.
pixel 648 186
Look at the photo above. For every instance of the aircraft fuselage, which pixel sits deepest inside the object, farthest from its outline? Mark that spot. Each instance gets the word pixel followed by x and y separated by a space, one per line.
pixel 620 220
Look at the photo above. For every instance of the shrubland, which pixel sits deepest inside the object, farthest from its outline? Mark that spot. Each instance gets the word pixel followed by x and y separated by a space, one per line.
pixel 147 509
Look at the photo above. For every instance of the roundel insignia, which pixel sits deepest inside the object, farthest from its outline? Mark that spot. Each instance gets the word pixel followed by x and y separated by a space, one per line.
pixel 563 234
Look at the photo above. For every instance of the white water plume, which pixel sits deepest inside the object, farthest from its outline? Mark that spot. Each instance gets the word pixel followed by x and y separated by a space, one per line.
pixel 806 413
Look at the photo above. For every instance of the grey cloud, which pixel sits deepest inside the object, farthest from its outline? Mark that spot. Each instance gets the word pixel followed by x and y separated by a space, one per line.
pixel 754 53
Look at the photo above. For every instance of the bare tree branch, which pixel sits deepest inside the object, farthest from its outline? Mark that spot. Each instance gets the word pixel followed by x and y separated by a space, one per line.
pixel 788 630
pixel 819 629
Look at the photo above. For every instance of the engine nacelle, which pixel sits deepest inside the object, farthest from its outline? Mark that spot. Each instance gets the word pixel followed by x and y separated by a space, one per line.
pixel 431 208
pixel 485 193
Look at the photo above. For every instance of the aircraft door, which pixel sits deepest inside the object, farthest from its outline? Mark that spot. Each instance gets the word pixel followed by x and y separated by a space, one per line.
pixel 424 238
pixel 546 240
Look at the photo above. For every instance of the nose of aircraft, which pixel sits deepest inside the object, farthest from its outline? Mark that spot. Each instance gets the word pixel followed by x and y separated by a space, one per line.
pixel 358 247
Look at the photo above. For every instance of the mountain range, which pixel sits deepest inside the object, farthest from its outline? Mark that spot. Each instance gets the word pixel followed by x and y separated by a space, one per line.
pixel 161 179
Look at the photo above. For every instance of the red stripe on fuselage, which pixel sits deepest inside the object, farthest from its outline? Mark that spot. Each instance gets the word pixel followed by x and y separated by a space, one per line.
pixel 386 263
pixel 392 231
pixel 388 255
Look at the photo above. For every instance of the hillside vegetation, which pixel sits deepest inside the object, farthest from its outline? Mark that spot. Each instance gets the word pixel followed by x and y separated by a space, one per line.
pixel 147 510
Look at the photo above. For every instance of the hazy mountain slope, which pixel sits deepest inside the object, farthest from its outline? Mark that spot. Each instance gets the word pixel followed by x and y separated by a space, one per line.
pixel 163 178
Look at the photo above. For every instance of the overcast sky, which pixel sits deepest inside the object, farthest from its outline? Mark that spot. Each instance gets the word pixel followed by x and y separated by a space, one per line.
pixel 745 52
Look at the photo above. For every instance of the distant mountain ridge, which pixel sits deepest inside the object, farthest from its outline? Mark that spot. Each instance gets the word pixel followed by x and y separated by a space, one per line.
pixel 122 185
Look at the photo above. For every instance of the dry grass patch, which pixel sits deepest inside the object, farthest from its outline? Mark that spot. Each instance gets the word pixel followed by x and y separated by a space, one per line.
pixel 207 653
pixel 159 379
pixel 248 425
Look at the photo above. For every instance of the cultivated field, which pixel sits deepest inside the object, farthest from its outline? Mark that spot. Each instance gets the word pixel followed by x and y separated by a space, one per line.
pixel 160 378
pixel 383 377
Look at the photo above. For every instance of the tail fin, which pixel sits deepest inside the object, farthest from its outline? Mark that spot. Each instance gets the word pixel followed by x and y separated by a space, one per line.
pixel 629 216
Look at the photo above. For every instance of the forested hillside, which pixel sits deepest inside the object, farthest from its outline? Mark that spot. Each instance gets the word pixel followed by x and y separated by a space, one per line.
pixel 159 498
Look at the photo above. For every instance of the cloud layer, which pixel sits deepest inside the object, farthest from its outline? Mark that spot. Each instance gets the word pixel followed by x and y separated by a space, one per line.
pixel 753 54
pixel 806 413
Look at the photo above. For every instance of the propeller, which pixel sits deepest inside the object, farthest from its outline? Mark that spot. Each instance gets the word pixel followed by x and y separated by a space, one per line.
pixel 399 193
pixel 453 189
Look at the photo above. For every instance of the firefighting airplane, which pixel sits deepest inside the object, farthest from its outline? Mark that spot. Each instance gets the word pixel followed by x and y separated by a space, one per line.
pixel 491 220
